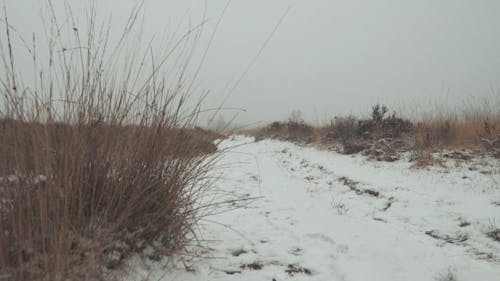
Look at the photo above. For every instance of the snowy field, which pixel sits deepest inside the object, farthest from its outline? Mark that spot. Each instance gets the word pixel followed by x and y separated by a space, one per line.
pixel 325 216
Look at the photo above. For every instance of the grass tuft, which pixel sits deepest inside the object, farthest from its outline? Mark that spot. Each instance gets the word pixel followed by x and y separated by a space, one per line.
pixel 100 158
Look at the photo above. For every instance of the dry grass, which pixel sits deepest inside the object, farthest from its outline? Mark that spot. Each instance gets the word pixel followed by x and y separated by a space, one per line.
pixel 289 131
pixel 456 132
pixel 99 156
pixel 384 136
pixel 477 131
pixel 80 198
pixel 423 158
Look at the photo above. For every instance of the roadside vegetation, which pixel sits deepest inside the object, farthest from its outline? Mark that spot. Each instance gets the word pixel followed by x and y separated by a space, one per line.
pixel 102 160
pixel 100 156
pixel 384 136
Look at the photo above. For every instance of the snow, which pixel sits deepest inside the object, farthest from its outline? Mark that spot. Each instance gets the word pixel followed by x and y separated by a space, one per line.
pixel 317 218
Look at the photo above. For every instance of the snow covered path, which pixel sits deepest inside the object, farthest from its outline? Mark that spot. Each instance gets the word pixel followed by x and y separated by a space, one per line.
pixel 325 216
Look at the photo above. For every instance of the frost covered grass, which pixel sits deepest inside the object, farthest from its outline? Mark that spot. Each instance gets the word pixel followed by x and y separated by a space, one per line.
pixel 99 156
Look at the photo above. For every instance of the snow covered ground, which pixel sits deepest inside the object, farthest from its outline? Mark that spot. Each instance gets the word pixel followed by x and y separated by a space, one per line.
pixel 325 216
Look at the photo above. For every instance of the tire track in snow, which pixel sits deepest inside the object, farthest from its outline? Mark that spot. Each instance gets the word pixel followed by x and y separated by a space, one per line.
pixel 295 162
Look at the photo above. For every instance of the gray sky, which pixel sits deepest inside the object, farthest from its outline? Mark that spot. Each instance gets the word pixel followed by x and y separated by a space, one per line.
pixel 331 57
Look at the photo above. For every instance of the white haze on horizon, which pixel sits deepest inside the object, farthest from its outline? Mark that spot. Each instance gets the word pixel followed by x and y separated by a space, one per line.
pixel 328 57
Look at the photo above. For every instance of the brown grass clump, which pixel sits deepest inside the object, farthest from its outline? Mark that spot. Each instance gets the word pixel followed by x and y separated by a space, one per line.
pixel 289 131
pixel 475 131
pixel 455 133
pixel 96 163
pixel 294 129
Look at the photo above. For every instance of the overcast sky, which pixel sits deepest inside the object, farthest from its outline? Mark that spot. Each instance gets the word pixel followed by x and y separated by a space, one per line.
pixel 330 57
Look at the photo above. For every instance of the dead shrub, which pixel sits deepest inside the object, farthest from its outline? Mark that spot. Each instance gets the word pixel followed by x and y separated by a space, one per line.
pixel 385 150
pixel 341 128
pixel 301 133
pixel 375 136
pixel 382 125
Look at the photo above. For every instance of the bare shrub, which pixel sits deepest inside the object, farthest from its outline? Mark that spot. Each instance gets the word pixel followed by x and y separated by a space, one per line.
pixel 301 133
pixel 342 128
pixel 374 137
pixel 382 126
pixel 97 161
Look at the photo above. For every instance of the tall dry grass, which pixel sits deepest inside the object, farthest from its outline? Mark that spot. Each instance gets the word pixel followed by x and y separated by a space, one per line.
pixel 456 131
pixel 99 157
pixel 474 128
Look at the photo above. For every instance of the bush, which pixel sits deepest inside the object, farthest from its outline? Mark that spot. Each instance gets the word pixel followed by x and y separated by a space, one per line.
pixel 94 169
pixel 301 133
pixel 358 135
pixel 294 130
pixel 382 126
pixel 342 128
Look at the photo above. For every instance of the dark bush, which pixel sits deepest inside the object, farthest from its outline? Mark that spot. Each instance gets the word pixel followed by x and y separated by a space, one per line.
pixel 301 133
pixel 357 135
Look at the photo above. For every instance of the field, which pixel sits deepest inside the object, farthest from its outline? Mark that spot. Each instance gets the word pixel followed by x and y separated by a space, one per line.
pixel 112 169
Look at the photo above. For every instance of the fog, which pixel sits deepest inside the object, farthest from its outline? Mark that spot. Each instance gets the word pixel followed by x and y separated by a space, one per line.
pixel 326 57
